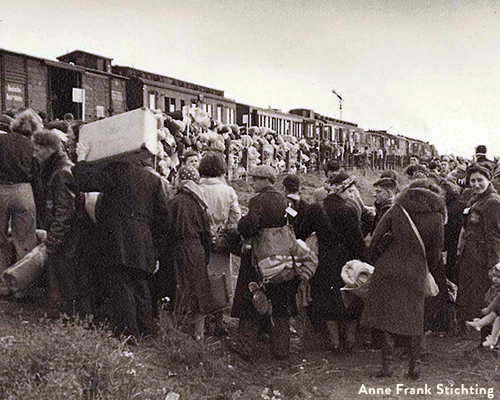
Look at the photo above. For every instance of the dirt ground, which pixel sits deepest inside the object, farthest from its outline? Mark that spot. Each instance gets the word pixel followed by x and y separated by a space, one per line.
pixel 312 372
pixel 455 367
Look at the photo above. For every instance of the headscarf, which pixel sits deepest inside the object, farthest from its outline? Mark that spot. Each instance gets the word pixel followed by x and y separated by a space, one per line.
pixel 189 173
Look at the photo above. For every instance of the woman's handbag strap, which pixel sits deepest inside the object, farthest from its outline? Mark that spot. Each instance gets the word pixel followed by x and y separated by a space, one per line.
pixel 417 233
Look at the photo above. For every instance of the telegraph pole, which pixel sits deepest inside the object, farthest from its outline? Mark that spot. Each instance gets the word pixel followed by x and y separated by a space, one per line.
pixel 340 102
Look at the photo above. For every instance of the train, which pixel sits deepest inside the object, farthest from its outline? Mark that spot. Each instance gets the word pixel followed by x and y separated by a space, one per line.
pixel 90 87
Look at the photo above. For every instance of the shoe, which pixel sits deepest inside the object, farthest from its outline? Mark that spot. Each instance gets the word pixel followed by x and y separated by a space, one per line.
pixel 334 348
pixel 235 346
pixel 384 373
pixel 413 373
pixel 473 324
pixel 220 332
pixel 489 342
pixel 5 291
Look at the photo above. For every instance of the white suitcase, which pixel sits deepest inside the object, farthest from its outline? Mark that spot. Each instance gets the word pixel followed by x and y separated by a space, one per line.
pixel 131 134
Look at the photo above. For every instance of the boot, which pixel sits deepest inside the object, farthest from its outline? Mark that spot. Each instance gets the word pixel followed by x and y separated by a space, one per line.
pixel 415 352
pixel 280 338
pixel 244 344
pixel 350 334
pixel 388 348
pixel 332 328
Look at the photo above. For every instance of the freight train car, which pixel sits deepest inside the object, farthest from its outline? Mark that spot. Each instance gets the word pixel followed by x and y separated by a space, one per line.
pixel 57 88
pixel 171 95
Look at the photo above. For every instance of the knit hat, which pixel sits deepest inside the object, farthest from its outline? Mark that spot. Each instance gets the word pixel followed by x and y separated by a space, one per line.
pixel 189 173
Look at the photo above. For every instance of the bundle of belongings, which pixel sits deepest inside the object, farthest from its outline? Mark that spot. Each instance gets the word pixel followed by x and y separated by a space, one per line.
pixel 280 256
pixel 356 276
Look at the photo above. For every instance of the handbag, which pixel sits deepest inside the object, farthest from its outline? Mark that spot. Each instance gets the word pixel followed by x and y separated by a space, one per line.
pixel 431 289
pixel 227 241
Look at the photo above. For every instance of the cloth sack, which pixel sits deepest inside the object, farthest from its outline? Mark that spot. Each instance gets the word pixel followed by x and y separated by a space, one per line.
pixel 356 275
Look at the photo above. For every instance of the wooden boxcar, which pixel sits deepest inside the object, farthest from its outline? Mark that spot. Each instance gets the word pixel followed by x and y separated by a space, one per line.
pixel 57 88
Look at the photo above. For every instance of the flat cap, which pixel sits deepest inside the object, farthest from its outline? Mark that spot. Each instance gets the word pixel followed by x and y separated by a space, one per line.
pixel 263 171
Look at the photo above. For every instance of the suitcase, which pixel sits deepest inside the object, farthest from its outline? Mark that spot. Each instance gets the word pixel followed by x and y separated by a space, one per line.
pixel 133 134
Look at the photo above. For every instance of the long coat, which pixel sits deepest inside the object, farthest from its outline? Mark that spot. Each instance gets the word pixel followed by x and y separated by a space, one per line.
pixel 481 251
pixel 132 210
pixel 395 301
pixel 265 210
pixel 337 226
pixel 57 215
pixel 190 241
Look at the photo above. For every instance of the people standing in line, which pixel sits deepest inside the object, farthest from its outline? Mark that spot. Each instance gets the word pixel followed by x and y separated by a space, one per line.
pixel 395 301
pixel 132 211
pixel 337 225
pixel 190 241
pixel 480 247
pixel 267 209
pixel 17 178
pixel 223 213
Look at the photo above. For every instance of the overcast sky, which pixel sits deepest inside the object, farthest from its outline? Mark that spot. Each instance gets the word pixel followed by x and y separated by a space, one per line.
pixel 424 69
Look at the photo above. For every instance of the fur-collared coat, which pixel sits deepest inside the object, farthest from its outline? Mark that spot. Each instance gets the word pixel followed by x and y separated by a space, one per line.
pixel 481 251
pixel 395 302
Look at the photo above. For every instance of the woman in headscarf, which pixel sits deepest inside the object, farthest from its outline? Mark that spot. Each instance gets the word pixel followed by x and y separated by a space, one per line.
pixel 396 299
pixel 480 247
pixel 191 242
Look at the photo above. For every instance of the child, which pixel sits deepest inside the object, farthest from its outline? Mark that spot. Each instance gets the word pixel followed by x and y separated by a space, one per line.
pixel 492 312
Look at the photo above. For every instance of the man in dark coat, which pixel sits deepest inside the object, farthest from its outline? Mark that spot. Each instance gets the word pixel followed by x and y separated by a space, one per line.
pixel 384 191
pixel 132 210
pixel 266 210
pixel 57 216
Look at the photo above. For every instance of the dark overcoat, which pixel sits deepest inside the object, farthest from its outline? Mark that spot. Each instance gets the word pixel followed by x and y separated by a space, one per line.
pixel 481 251
pixel 395 301
pixel 338 230
pixel 133 208
pixel 265 210
pixel 190 242
pixel 58 216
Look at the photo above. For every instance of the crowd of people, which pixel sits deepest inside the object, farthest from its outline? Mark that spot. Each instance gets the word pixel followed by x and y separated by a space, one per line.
pixel 120 239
